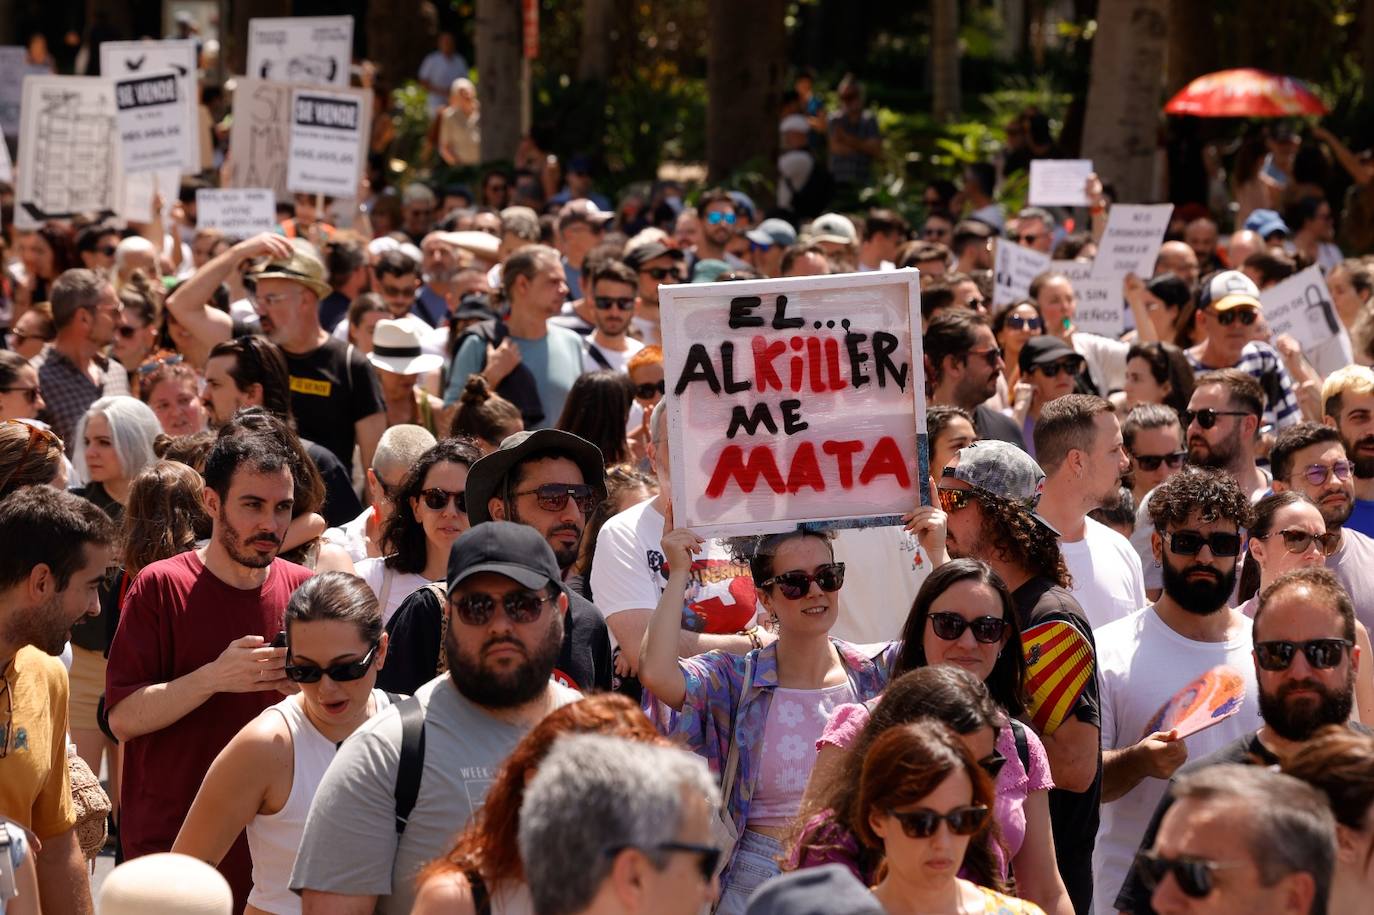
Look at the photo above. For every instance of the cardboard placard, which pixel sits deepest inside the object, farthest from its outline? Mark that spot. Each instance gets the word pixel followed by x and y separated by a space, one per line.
pixel 304 50
pixel 1132 239
pixel 237 212
pixel 14 66
pixel 1014 266
pixel 1101 307
pixel 69 159
pixel 1059 182
pixel 1301 306
pixel 260 135
pixel 136 197
pixel 125 58
pixel 153 131
pixel 328 142
pixel 795 401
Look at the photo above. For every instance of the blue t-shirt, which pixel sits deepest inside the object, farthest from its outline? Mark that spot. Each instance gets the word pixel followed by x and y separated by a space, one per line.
pixel 441 71
pixel 554 359
pixel 1361 517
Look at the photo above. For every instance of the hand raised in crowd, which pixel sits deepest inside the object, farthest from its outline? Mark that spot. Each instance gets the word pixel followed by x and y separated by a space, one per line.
pixel 265 244
pixel 679 544
pixel 501 361
pixel 927 523
pixel 250 665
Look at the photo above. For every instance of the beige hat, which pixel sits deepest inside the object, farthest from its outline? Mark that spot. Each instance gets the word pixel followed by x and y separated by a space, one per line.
pixel 165 884
pixel 303 266
pixel 396 347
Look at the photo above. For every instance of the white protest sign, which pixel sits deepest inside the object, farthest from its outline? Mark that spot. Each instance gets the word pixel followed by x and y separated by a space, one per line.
pixel 309 50
pixel 1077 271
pixel 6 166
pixel 153 131
pixel 1301 306
pixel 327 142
pixel 1013 269
pixel 237 212
pixel 1131 242
pixel 125 58
pixel 794 401
pixel 68 150
pixel 136 200
pixel 1059 182
pixel 260 135
pixel 1101 307
pixel 14 66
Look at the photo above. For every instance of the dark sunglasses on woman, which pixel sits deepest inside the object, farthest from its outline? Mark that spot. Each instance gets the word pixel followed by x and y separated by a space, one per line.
pixel 950 626
pixel 346 672
pixel 796 584
pixel 649 389
pixel 436 500
pixel 1017 322
pixel 922 823
pixel 1072 367
pixel 1298 541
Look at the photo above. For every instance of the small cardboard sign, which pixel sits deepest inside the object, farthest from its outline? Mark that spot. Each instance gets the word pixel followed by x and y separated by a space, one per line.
pixel 1301 306
pixel 153 132
pixel 1014 266
pixel 796 401
pixel 1132 239
pixel 327 138
pixel 237 212
pixel 1059 182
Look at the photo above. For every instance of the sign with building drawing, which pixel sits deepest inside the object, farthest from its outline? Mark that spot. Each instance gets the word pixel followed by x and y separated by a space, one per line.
pixel 68 150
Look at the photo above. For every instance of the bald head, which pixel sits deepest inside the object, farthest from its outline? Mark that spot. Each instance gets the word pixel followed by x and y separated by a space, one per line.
pixel 1201 235
pixel 1177 258
pixel 400 447
pixel 1243 244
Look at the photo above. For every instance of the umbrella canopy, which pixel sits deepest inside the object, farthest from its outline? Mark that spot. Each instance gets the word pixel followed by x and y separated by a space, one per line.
pixel 1246 93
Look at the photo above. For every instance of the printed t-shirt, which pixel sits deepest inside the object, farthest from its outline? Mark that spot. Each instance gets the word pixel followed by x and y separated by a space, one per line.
pixel 332 387
pixel 35 788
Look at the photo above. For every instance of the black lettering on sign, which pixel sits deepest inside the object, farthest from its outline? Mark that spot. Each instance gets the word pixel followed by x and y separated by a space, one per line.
pixel 336 114
pixel 740 306
pixel 142 93
pixel 792 423
pixel 750 420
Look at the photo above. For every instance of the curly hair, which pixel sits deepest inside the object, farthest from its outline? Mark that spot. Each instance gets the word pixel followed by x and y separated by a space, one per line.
pixel 1213 493
pixel 403 537
pixel 1015 536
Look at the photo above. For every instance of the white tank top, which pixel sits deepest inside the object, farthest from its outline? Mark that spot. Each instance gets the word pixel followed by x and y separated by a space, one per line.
pixel 274 839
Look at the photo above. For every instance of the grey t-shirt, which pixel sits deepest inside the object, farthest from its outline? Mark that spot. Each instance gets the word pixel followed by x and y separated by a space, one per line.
pixel 1353 564
pixel 350 844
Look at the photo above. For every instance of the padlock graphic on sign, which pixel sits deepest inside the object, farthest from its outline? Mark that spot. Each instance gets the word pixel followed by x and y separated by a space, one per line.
pixel 1319 310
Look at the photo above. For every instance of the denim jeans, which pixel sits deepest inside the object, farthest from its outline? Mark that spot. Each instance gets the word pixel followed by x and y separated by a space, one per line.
pixel 755 861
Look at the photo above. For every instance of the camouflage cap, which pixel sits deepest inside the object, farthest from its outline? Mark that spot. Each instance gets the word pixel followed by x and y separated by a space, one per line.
pixel 1003 470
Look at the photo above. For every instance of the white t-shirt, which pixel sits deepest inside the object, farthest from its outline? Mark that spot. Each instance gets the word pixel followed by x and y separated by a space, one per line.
pixel 390 586
pixel 1353 564
pixel 1106 359
pixel 648 330
pixel 617 359
pixel 629 572
pixel 1141 664
pixel 1108 582
pixel 884 567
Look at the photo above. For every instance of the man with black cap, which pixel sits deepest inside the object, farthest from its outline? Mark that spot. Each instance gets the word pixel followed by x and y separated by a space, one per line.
pixel 506 608
pixel 539 480
pixel 655 262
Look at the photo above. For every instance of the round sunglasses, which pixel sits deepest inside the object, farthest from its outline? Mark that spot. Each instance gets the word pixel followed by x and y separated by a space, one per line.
pixel 1299 541
pixel 796 584
pixel 1017 322
pixel 950 626
pixel 346 672
pixel 1318 474
pixel 922 823
pixel 649 390
pixel 436 500
pixel 521 607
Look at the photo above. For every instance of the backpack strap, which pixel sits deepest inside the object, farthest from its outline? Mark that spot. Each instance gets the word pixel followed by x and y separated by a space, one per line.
pixel 481 897
pixel 1018 731
pixel 597 356
pixel 440 591
pixel 412 764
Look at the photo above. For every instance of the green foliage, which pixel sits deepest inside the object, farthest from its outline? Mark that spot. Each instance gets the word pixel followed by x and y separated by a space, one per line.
pixel 410 115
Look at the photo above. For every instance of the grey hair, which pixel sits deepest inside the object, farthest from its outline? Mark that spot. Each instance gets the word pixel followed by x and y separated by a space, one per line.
pixel 133 428
pixel 1290 826
pixel 130 246
pixel 401 446
pixel 656 431
pixel 526 262
pixel 593 794
pixel 1037 213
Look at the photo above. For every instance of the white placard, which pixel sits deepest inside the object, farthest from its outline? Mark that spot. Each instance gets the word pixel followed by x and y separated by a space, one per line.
pixel 124 58
pixel 14 66
pixel 1077 270
pixel 1101 307
pixel 6 166
pixel 1131 242
pixel 1301 306
pixel 327 137
pixel 136 200
pixel 153 131
pixel 1013 269
pixel 68 150
pixel 1059 182
pixel 260 135
pixel 237 212
pixel 305 50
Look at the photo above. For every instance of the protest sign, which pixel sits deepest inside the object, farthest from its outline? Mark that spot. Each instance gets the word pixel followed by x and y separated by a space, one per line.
pixel 328 142
pixel 125 58
pixel 1101 306
pixel 68 150
pixel 1013 269
pixel 6 166
pixel 135 203
pixel 14 65
pixel 237 212
pixel 1131 242
pixel 795 401
pixel 309 50
pixel 260 135
pixel 1301 306
pixel 1059 182
pixel 1076 271
pixel 153 131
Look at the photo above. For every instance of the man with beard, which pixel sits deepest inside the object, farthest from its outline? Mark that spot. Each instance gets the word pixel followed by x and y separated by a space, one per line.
pixel 990 492
pixel 611 291
pixel 1311 459
pixel 1079 446
pixel 1305 659
pixel 439 295
pixel 655 263
pixel 1220 427
pixel 963 363
pixel 1146 658
pixel 58 549
pixel 506 606
pixel 192 661
pixel 1348 405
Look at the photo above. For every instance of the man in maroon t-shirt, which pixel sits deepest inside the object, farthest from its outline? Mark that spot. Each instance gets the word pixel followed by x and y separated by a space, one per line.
pixel 191 662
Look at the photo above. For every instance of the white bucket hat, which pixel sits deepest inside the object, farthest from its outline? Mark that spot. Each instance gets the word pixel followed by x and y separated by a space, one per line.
pixel 396 348
pixel 165 884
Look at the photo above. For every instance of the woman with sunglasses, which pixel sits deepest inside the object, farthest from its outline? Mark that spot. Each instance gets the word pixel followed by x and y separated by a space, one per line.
pixel 925 804
pixel 1013 325
pixel 20 396
pixel 766 709
pixel 645 369
pixel 32 330
pixel 266 776
pixel 430 512
pixel 1050 369
pixel 136 334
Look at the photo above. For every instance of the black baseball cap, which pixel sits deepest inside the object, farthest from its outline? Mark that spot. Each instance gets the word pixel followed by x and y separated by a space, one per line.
pixel 1043 350
pixel 516 551
pixel 487 475
pixel 640 255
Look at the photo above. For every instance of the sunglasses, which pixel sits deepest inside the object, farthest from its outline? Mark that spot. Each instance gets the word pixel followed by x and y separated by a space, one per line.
pixel 950 626
pixel 127 331
pixel 922 824
pixel 35 435
pixel 990 356
pixel 606 303
pixel 106 250
pixel 1318 474
pixel 1207 417
pixel 796 584
pixel 1226 318
pixel 993 764
pixel 1321 654
pixel 554 496
pixel 708 856
pixel 647 390
pixel 951 500
pixel 1299 541
pixel 436 500
pixel 1152 461
pixel 1072 367
pixel 31 395
pixel 977 304
pixel 663 273
pixel 1029 238
pixel 1018 322
pixel 339 673
pixel 718 217
pixel 152 365
pixel 1190 543
pixel 521 607
pixel 1196 877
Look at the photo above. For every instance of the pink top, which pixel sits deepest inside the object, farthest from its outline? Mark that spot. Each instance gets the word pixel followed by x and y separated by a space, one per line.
pixel 795 721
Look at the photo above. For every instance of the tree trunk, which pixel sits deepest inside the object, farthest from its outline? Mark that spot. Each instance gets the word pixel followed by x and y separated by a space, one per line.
pixel 595 60
pixel 944 58
pixel 1124 94
pixel 499 88
pixel 236 54
pixel 745 58
pixel 397 52
pixel 1192 44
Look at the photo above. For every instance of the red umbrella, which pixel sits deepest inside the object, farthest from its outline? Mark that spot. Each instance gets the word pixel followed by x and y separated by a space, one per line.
pixel 1246 93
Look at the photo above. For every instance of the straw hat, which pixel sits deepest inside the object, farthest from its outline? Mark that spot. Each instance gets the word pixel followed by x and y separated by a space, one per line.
pixel 165 884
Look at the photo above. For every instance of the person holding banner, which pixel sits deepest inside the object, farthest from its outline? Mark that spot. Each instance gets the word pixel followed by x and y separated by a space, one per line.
pixel 1054 294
